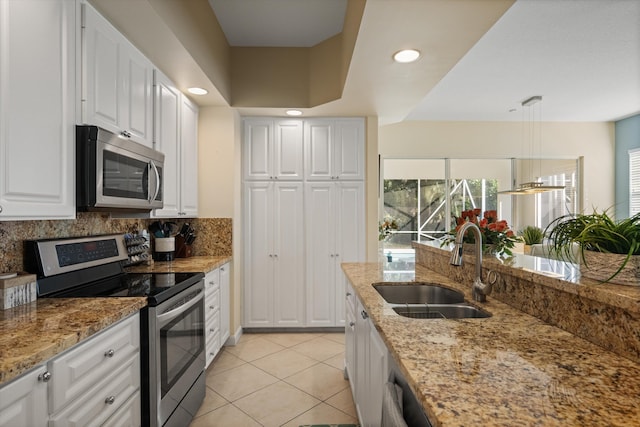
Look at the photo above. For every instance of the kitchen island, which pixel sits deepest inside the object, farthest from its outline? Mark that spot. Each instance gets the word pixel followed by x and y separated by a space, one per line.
pixel 511 369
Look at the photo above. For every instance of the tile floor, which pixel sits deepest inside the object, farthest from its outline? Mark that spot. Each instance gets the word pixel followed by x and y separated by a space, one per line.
pixel 284 379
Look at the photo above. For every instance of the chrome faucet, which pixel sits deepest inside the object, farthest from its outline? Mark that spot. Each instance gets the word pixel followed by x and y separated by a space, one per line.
pixel 480 290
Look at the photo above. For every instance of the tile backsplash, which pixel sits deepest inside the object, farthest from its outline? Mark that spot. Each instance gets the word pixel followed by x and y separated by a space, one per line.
pixel 214 234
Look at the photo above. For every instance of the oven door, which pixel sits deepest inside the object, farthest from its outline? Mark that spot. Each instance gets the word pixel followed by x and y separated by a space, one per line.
pixel 126 179
pixel 176 352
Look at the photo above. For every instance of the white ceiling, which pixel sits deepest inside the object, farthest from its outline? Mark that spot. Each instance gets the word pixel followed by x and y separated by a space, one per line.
pixel 582 56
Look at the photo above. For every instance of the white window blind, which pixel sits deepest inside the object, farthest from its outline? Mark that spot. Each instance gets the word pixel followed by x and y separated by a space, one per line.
pixel 634 182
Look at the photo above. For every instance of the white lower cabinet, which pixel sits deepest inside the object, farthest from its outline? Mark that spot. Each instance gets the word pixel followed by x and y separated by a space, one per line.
pixel 366 359
pixel 23 402
pixel 225 302
pixel 96 382
pixel 212 315
pixel 216 310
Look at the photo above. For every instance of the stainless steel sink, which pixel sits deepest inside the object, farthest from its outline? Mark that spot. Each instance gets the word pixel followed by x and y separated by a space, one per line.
pixel 441 311
pixel 418 293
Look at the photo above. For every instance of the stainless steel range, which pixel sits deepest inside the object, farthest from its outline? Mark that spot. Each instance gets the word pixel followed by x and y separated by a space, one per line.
pixel 172 323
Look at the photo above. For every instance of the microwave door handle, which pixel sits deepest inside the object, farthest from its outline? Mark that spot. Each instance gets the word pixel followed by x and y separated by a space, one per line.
pixel 155 170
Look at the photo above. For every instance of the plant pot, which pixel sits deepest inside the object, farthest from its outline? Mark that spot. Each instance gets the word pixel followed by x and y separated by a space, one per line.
pixel 601 266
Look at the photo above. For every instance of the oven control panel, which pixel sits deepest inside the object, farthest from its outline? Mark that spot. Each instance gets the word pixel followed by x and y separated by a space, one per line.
pixel 56 256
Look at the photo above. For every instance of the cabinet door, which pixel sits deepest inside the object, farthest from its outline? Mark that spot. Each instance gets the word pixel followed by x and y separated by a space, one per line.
pixel 188 158
pixel 318 140
pixel 349 149
pixel 258 134
pixel 23 402
pixel 361 362
pixel 350 337
pixel 288 244
pixel 37 107
pixel 137 85
pixel 378 375
pixel 320 254
pixel 258 255
pixel 287 151
pixel 225 302
pixel 349 228
pixel 102 93
pixel 166 140
pixel 76 371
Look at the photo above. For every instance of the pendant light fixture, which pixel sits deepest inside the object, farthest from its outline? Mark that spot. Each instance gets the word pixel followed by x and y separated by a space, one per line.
pixel 529 134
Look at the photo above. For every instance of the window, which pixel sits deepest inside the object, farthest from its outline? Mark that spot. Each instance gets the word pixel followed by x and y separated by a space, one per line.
pixel 423 197
pixel 634 182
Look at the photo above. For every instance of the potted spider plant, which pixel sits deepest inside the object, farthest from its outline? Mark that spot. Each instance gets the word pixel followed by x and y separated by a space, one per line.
pixel 608 249
pixel 531 235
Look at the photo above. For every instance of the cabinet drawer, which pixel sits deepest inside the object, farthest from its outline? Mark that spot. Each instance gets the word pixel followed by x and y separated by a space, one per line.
pixel 212 303
pixel 102 401
pixel 211 281
pixel 212 324
pixel 76 371
pixel 213 346
pixel 128 415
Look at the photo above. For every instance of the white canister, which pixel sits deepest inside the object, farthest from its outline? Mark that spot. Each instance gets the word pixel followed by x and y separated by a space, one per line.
pixel 165 248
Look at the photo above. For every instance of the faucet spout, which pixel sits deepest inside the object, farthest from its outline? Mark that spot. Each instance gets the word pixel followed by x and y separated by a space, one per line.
pixel 480 290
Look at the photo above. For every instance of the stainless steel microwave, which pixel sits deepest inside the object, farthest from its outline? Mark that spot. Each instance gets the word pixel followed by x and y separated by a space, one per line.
pixel 114 173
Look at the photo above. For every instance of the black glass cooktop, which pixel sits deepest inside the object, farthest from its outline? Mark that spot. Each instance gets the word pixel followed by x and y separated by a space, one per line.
pixel 157 287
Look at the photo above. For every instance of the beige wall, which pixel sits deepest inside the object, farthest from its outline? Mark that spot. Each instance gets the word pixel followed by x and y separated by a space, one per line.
pixel 219 183
pixel 594 141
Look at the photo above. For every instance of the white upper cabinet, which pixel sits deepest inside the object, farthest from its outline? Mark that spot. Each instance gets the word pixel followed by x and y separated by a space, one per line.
pixel 273 149
pixel 176 135
pixel 117 81
pixel 37 109
pixel 334 149
pixel 188 158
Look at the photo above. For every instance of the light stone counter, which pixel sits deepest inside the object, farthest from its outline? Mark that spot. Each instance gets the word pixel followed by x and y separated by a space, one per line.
pixel 193 264
pixel 511 369
pixel 33 333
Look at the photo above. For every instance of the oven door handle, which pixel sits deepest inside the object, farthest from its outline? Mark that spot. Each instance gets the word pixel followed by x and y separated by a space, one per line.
pixel 169 315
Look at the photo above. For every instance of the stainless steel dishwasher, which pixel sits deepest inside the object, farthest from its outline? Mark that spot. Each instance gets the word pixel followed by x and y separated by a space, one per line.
pixel 412 411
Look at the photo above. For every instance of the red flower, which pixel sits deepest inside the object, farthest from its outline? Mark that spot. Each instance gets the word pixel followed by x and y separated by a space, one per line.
pixel 491 216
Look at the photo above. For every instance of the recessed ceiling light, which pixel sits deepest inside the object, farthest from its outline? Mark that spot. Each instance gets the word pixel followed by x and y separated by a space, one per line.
pixel 197 91
pixel 406 55
pixel 294 113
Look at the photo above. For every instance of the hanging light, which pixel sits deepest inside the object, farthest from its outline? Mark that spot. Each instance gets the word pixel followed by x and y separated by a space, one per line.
pixel 533 186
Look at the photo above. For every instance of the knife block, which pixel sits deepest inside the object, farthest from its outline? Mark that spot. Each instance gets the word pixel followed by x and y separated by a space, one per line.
pixel 182 249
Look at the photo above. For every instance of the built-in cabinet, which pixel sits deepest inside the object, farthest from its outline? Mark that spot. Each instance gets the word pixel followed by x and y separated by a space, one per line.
pixel 117 81
pixel 96 382
pixel 176 135
pixel 274 254
pixel 37 108
pixel 216 310
pixel 335 234
pixel 303 216
pixel 366 362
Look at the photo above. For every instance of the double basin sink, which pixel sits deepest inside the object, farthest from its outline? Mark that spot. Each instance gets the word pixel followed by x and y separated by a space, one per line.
pixel 421 300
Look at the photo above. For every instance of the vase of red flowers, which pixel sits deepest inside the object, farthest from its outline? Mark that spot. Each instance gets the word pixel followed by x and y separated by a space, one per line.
pixel 497 237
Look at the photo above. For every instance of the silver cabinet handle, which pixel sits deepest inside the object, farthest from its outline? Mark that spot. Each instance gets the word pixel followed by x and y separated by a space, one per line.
pixel 221 268
pixel 109 400
pixel 44 377
pixel 364 314
pixel 212 307
pixel 275 256
pixel 109 353
pixel 331 255
pixel 348 294
pixel 352 324
pixel 0 209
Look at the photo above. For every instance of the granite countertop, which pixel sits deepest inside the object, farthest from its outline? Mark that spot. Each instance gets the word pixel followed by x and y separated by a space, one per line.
pixel 506 370
pixel 33 333
pixel 203 264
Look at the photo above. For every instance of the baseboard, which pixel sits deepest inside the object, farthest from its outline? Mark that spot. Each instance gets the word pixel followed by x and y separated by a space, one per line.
pixel 235 338
pixel 271 330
